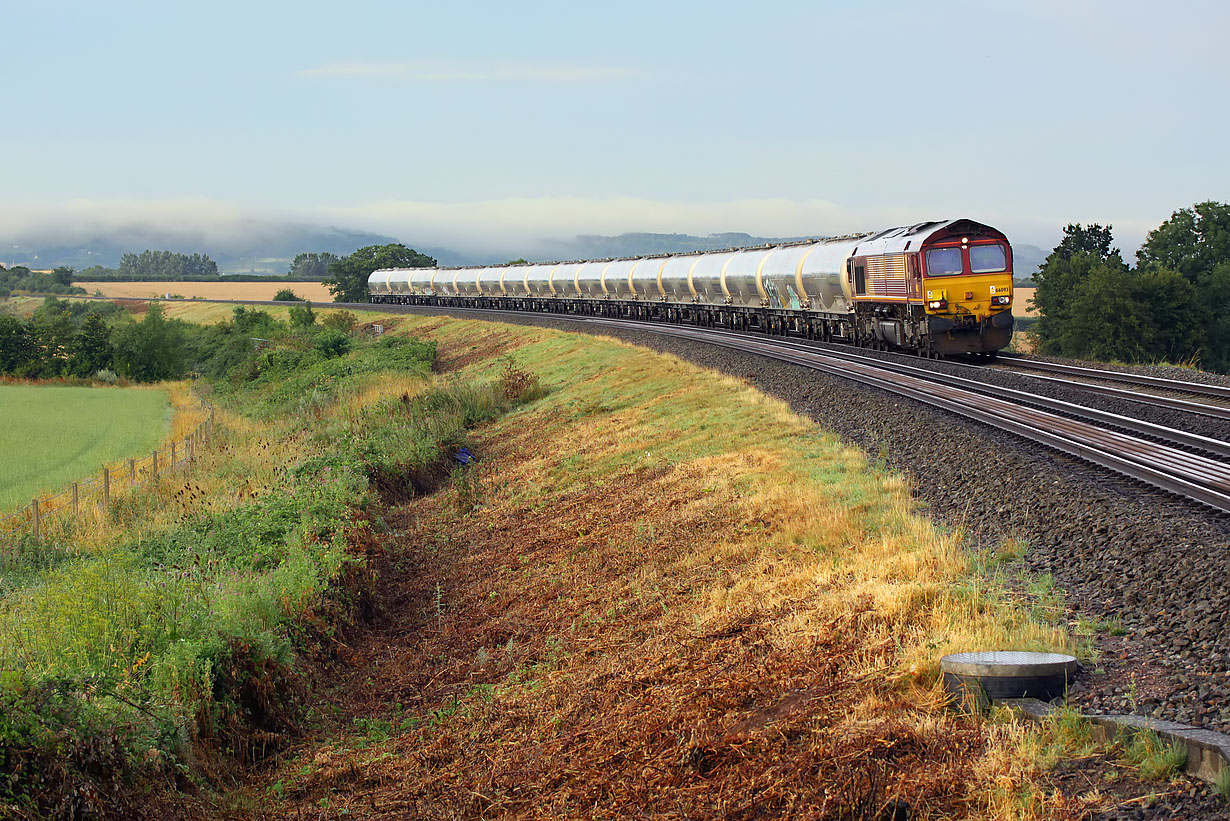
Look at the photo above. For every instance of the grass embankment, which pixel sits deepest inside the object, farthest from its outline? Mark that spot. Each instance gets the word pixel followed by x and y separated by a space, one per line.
pixel 157 643
pixel 666 595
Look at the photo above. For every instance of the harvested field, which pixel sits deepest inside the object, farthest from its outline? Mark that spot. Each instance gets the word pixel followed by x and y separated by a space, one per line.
pixel 315 291
pixel 1020 302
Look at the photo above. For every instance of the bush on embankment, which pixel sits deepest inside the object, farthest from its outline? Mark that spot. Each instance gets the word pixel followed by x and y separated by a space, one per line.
pixel 159 640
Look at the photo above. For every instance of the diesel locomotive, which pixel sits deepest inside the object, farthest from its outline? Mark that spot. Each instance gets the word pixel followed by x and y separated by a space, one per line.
pixel 933 288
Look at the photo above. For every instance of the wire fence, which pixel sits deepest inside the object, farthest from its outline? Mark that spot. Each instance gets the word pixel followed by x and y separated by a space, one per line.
pixel 100 490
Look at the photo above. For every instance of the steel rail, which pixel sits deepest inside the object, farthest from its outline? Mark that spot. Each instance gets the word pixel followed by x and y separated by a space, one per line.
pixel 1215 411
pixel 1220 391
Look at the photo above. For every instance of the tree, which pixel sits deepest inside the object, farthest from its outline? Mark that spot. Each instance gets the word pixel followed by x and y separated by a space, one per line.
pixel 53 333
pixel 1105 320
pixel 348 276
pixel 1064 273
pixel 1194 241
pixel 92 349
pixel 311 266
pixel 287 295
pixel 16 344
pixel 64 275
pixel 159 265
pixel 1179 316
pixel 152 349
pixel 341 320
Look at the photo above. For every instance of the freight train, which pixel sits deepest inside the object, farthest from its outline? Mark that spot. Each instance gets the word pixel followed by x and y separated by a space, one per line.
pixel 933 288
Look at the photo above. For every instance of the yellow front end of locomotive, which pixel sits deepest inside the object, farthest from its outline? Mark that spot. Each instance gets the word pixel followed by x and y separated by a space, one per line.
pixel 977 297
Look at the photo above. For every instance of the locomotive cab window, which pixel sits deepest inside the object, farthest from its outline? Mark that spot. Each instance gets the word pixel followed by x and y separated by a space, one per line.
pixel 986 259
pixel 944 262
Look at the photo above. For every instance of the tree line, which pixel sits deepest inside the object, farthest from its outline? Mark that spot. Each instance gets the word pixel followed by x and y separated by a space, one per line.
pixel 21 278
pixel 1173 306
pixel 101 341
pixel 346 276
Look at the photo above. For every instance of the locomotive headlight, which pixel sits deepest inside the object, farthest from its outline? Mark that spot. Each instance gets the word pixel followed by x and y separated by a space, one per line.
pixel 937 304
pixel 1006 299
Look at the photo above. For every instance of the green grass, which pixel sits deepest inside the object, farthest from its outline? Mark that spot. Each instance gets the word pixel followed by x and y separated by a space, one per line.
pixel 53 436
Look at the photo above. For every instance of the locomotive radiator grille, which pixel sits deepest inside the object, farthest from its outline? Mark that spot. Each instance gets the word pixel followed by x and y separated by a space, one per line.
pixel 886 276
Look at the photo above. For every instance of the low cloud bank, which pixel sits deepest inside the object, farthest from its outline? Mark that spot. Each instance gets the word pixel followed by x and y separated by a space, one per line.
pixel 477 230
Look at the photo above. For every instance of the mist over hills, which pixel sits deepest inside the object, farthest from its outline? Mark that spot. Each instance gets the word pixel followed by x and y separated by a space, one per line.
pixel 246 247
pixel 267 247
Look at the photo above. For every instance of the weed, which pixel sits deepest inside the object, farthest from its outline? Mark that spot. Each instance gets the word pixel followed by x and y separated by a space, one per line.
pixel 1010 550
pixel 467 484
pixel 1221 784
pixel 518 384
pixel 1153 757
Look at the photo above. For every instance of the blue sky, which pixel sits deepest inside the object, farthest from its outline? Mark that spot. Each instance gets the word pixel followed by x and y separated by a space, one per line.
pixel 496 125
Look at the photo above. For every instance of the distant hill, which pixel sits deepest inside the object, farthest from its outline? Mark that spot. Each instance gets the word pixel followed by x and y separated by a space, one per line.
pixel 255 247
pixel 593 246
pixel 1027 259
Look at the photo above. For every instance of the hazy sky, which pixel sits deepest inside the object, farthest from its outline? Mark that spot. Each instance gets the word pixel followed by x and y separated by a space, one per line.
pixel 479 124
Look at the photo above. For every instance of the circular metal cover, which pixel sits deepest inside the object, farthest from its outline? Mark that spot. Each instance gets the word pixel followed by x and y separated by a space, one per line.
pixel 1009 663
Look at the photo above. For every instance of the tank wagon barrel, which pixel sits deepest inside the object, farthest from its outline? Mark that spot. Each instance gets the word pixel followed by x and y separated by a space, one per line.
pixel 936 288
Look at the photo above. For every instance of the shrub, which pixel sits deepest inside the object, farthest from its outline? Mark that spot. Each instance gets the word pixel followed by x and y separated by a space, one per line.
pixel 302 315
pixel 341 320
pixel 287 295
pixel 332 343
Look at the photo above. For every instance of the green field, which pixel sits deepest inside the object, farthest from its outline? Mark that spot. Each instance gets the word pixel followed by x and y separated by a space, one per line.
pixel 53 436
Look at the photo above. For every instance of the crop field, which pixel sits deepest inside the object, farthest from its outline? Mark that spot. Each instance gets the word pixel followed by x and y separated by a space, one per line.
pixel 53 436
pixel 315 291
pixel 1020 302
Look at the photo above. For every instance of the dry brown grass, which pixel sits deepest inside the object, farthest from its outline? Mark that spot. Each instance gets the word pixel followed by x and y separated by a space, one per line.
pixel 674 599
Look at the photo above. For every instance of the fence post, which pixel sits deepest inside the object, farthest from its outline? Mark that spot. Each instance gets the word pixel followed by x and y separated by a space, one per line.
pixel 75 498
pixel 106 488
pixel 173 455
pixel 34 518
pixel 154 465
pixel 132 472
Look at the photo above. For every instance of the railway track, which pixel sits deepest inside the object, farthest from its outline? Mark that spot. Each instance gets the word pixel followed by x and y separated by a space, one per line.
pixel 1079 375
